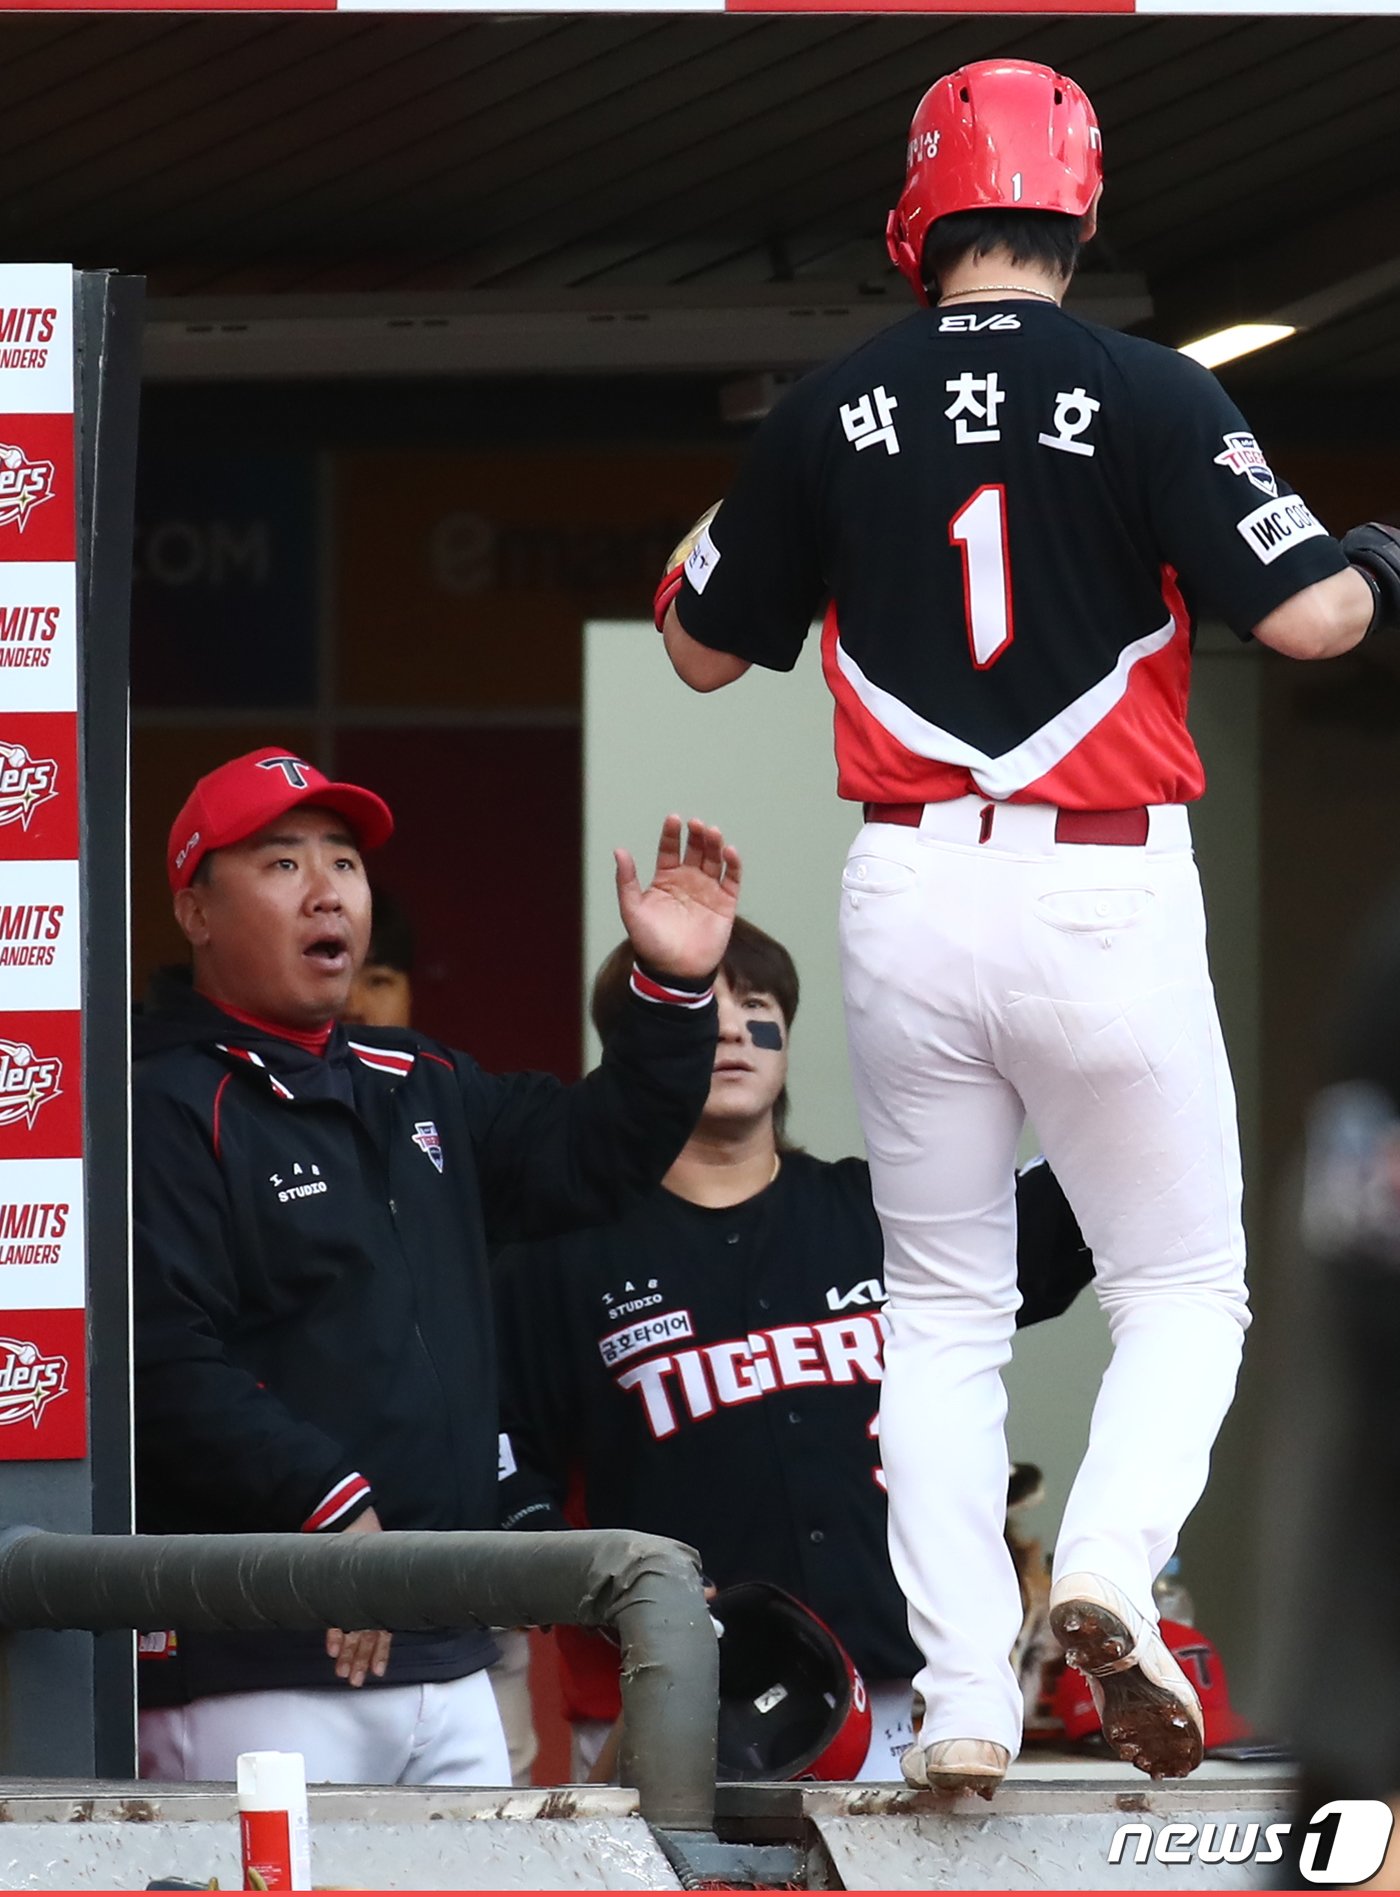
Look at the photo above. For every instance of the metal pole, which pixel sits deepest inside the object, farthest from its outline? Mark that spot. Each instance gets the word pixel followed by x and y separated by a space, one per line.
pixel 647 1588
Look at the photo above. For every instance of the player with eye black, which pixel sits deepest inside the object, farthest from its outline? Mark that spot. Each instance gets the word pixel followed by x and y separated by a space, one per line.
pixel 708 1367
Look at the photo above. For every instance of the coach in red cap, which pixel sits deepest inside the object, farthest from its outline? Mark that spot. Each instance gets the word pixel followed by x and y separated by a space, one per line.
pixel 312 1217
pixel 236 801
pixel 244 813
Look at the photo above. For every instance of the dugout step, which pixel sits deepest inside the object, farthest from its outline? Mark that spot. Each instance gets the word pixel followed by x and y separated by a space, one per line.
pixel 1051 1826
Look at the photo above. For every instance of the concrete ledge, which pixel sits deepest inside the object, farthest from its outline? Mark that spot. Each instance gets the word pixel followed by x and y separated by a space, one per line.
pixel 1051 1826
pixel 1049 1829
pixel 115 1836
pixel 1024 1796
pixel 68 1801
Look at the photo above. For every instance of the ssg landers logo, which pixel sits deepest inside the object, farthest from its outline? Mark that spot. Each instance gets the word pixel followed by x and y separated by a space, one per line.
pixel 29 1381
pixel 24 485
pixel 26 1083
pixel 32 330
pixel 25 783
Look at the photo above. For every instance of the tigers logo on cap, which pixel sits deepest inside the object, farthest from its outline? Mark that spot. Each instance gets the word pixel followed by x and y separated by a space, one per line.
pixel 243 796
pixel 1199 1659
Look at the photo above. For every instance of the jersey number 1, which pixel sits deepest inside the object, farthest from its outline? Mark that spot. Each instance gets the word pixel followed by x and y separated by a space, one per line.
pixel 978 531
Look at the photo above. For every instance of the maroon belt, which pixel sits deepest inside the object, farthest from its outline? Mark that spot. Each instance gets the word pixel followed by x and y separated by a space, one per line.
pixel 1122 827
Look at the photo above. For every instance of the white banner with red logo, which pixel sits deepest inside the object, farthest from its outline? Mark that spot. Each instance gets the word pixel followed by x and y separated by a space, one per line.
pixel 43 1275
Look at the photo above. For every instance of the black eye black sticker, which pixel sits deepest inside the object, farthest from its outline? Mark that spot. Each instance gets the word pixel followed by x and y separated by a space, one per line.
pixel 766 1034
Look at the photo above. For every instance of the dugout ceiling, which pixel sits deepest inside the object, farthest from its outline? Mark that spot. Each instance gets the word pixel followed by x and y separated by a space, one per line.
pixel 467 171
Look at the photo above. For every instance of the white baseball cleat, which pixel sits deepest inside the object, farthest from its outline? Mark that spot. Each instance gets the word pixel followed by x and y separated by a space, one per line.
pixel 956 1765
pixel 1150 1714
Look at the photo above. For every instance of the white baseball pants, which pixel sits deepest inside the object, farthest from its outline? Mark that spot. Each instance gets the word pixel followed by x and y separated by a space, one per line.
pixel 445 1733
pixel 985 982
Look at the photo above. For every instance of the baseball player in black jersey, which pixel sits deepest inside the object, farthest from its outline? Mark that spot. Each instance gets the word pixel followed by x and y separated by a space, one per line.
pixel 1009 519
pixel 708 1367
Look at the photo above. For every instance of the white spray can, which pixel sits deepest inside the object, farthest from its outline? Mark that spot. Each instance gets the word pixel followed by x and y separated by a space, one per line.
pixel 272 1820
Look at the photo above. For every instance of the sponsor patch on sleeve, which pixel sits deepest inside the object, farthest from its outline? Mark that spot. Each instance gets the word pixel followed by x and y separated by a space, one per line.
pixel 633 1339
pixel 1243 455
pixel 703 559
pixel 1273 529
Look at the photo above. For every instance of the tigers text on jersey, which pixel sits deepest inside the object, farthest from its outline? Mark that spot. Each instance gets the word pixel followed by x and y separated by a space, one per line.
pixel 713 1374
pixel 1013 518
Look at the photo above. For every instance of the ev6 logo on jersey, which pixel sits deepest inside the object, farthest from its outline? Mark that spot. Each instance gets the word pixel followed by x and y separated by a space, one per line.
pixel 24 485
pixel 1344 1843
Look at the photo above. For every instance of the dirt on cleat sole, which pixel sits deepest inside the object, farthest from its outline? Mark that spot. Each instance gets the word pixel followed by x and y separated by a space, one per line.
pixel 952 1784
pixel 1148 1725
pixel 951 1775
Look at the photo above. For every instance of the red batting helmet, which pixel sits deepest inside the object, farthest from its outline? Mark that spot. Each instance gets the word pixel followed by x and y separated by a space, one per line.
pixel 791 1703
pixel 1002 134
pixel 1199 1659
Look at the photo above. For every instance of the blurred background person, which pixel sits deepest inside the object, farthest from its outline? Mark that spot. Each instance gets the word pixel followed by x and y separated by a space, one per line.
pixel 381 995
pixel 1331 1629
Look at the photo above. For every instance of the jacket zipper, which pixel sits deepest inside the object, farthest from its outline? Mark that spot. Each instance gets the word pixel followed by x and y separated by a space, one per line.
pixel 422 1341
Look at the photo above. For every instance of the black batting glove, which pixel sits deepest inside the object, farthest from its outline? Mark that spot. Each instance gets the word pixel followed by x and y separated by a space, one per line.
pixel 1374 550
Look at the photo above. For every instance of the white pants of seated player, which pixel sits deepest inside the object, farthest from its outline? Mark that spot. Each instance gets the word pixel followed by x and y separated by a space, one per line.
pixel 891 1731
pixel 445 1733
pixel 510 1681
pixel 985 983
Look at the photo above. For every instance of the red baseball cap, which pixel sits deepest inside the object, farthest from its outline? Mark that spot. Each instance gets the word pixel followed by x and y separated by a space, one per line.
pixel 239 798
pixel 1199 1659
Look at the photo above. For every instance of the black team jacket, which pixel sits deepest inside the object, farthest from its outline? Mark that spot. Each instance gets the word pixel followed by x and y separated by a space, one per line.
pixel 313 1324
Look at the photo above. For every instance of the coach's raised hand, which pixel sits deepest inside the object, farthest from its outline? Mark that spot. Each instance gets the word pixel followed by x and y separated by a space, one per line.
pixel 680 925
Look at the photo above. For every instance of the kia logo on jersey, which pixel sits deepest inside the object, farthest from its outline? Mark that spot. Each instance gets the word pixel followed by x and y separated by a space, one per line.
pixel 24 485
pixel 29 1381
pixel 25 783
pixel 27 1083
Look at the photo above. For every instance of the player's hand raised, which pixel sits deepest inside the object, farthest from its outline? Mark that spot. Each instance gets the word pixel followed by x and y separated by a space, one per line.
pixel 680 925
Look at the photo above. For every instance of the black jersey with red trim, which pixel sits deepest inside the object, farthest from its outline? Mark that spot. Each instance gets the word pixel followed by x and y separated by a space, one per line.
pixel 1012 518
pixel 712 1374
pixel 312 1312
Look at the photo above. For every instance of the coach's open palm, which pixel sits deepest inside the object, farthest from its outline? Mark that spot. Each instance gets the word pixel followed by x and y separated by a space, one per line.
pixel 680 925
